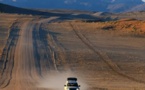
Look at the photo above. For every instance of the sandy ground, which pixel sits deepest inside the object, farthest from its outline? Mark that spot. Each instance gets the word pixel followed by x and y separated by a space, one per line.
pixel 106 60
pixel 41 55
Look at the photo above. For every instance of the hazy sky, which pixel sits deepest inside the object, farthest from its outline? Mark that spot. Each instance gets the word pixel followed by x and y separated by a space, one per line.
pixel 62 0
pixel 93 5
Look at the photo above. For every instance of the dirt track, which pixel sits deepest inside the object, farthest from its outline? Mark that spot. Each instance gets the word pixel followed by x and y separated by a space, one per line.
pixel 40 50
pixel 22 67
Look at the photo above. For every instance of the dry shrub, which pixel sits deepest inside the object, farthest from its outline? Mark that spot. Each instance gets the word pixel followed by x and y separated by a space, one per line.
pixel 124 25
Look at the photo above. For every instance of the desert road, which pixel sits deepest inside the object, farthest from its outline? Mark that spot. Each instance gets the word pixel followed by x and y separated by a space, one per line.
pixel 23 66
pixel 41 54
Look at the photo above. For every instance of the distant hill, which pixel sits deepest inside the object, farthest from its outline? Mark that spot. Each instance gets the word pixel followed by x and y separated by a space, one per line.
pixel 10 9
pixel 138 8
pixel 123 5
pixel 15 10
pixel 63 14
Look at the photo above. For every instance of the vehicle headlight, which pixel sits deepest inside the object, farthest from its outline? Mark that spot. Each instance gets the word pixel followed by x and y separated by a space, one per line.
pixel 77 89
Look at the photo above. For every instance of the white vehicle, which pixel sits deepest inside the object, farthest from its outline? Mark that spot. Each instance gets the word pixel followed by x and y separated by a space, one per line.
pixel 71 84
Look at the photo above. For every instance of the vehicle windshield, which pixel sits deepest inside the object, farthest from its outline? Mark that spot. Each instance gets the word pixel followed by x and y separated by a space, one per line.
pixel 72 84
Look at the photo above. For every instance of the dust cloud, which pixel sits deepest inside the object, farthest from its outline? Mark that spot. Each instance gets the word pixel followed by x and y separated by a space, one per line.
pixel 56 81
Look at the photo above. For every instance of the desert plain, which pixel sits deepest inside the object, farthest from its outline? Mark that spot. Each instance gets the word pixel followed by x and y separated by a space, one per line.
pixel 40 52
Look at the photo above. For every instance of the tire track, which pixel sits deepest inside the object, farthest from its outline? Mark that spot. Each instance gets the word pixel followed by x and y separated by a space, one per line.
pixel 8 55
pixel 42 51
pixel 50 49
pixel 103 56
pixel 58 52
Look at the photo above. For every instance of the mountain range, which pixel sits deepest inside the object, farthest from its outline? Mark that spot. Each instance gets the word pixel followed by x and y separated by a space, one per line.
pixel 90 5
